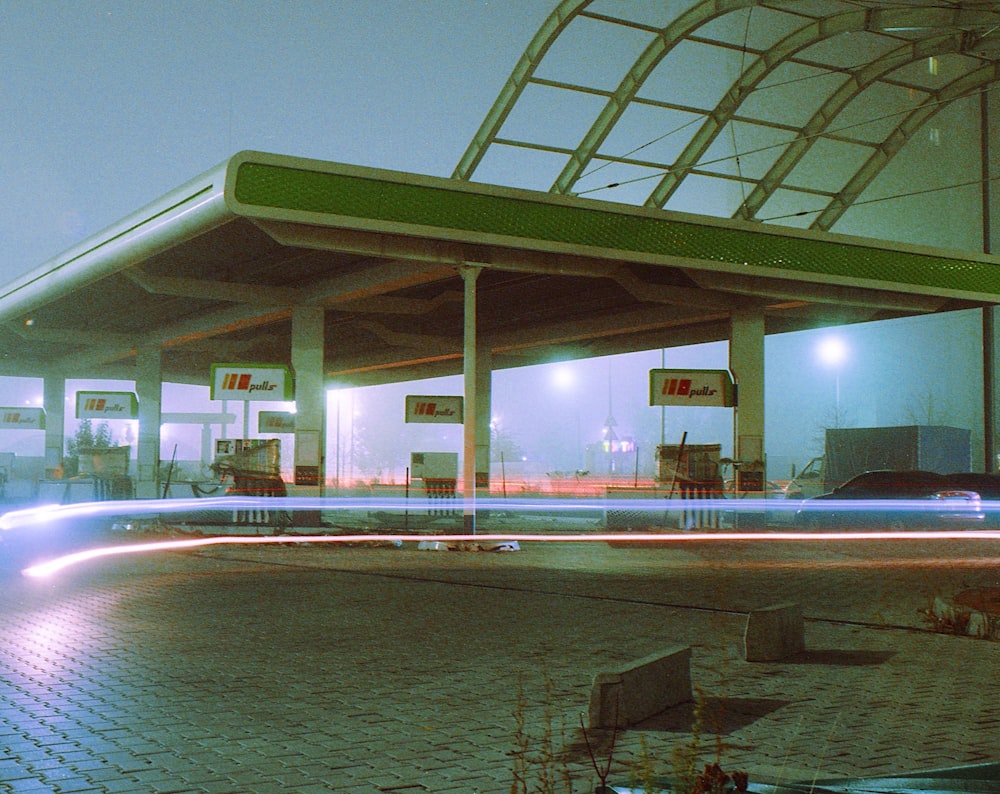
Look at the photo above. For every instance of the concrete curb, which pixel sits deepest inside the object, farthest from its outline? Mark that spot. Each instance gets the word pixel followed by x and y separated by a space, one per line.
pixel 641 689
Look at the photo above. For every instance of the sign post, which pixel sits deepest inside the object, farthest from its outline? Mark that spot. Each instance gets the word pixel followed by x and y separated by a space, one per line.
pixel 251 382
pixel 702 388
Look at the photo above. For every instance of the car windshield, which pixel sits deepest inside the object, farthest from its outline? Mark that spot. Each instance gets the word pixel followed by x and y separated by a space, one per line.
pixel 467 397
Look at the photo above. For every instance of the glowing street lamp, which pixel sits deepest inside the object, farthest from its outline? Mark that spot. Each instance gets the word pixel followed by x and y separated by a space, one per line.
pixel 563 377
pixel 832 352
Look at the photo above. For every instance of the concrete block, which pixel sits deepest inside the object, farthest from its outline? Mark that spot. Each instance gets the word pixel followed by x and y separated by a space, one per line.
pixel 641 689
pixel 774 633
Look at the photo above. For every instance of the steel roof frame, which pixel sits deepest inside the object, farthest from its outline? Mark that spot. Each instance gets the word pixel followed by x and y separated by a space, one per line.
pixel 919 27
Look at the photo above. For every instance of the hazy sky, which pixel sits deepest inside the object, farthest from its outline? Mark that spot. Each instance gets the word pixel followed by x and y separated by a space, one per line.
pixel 109 105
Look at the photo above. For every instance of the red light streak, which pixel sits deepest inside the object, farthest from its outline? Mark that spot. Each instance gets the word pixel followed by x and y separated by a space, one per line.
pixel 50 567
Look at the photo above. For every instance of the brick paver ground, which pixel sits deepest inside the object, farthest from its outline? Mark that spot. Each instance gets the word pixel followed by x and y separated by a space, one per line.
pixel 318 669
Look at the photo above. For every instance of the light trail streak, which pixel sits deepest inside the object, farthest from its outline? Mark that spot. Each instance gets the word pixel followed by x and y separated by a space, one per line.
pixel 45 514
pixel 52 566
pixel 42 515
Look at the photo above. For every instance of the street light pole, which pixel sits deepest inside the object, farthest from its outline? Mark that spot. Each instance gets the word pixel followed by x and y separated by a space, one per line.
pixel 832 353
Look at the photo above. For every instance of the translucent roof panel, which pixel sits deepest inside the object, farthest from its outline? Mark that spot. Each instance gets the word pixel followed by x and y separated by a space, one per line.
pixel 507 165
pixel 549 116
pixel 673 80
pixel 605 48
pixel 875 112
pixel 850 50
pixel 754 28
pixel 791 208
pixel 630 137
pixel 707 196
pixel 792 94
pixel 641 12
pixel 828 165
pixel 617 181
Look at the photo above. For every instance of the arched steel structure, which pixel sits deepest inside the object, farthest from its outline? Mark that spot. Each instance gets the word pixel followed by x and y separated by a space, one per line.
pixel 849 47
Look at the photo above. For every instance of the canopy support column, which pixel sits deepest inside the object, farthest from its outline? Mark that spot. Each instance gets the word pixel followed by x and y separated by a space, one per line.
pixel 991 404
pixel 484 415
pixel 470 276
pixel 149 389
pixel 310 400
pixel 54 400
pixel 746 361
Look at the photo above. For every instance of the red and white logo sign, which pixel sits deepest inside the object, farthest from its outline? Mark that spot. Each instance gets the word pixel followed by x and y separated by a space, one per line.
pixel 242 382
pixel 701 387
pixel 679 386
pixel 22 419
pixel 447 410
pixel 106 405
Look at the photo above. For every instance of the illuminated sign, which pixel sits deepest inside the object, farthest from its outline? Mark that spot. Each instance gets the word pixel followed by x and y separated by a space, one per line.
pixel 446 410
pixel 106 405
pixel 275 422
pixel 251 382
pixel 22 419
pixel 701 387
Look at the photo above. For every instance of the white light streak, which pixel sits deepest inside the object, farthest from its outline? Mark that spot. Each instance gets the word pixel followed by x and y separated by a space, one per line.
pixel 45 569
pixel 33 518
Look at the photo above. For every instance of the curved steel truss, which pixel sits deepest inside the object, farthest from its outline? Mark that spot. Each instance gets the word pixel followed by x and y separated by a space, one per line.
pixel 796 107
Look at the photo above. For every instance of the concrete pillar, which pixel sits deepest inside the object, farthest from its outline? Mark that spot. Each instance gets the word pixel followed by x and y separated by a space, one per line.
pixel 991 389
pixel 484 415
pixel 54 398
pixel 310 398
pixel 991 215
pixel 989 125
pixel 470 276
pixel 149 389
pixel 746 361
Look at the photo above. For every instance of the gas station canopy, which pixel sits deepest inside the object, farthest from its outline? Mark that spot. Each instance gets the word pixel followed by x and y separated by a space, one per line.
pixel 212 271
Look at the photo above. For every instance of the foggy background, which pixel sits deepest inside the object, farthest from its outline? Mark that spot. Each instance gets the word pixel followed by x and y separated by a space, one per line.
pixel 899 372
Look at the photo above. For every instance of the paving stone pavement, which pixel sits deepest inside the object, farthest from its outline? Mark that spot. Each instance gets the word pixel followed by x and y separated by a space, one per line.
pixel 377 669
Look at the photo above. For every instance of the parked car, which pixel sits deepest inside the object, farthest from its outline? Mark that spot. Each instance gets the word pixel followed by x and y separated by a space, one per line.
pixel 986 485
pixel 895 500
